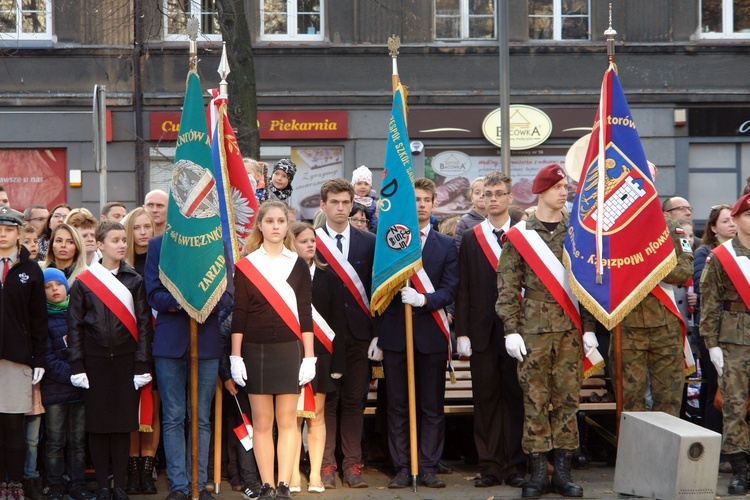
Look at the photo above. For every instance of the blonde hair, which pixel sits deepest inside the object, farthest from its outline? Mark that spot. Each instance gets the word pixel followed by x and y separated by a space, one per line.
pixel 295 229
pixel 81 218
pixel 448 225
pixel 255 240
pixel 129 224
pixel 79 259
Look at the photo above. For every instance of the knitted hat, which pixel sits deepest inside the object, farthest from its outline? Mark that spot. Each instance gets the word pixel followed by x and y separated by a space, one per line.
pixel 547 177
pixel 52 274
pixel 742 205
pixel 362 174
pixel 287 166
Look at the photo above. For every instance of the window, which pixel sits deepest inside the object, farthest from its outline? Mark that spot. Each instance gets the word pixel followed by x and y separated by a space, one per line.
pixel 725 18
pixel 465 20
pixel 291 20
pixel 559 19
pixel 26 19
pixel 177 13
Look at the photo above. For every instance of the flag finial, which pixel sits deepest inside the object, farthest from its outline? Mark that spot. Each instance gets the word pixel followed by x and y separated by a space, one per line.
pixel 610 33
pixel 394 42
pixel 192 32
pixel 223 70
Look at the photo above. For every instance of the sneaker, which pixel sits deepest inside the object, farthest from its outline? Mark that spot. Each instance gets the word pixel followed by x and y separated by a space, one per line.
pixel 56 493
pixel 282 492
pixel 76 493
pixel 328 477
pixel 4 490
pixel 252 490
pixel 177 495
pixel 400 481
pixel 15 491
pixel 353 477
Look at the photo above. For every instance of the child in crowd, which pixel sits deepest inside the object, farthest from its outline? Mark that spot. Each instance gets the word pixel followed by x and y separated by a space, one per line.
pixel 109 342
pixel 64 420
pixel 28 239
pixel 254 170
pixel 365 195
pixel 476 214
pixel 279 186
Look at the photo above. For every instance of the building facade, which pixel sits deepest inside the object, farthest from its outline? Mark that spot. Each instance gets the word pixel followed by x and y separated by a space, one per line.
pixel 323 79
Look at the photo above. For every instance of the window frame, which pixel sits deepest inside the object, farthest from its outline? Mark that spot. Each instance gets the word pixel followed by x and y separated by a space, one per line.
pixel 727 19
pixel 557 24
pixel 20 36
pixel 195 11
pixel 291 35
pixel 464 18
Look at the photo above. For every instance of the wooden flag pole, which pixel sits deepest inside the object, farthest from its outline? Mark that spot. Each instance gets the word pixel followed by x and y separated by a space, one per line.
pixel 218 439
pixel 195 444
pixel 617 339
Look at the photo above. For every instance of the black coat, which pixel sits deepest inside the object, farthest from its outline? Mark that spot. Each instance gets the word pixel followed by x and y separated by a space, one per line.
pixel 94 330
pixel 56 386
pixel 23 313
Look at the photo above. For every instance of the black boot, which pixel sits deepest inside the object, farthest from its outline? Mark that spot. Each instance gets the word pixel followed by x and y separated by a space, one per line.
pixel 537 485
pixel 133 487
pixel 562 479
pixel 738 483
pixel 147 476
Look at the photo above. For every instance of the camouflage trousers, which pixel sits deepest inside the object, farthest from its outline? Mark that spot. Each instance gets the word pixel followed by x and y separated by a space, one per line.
pixel 551 376
pixel 655 353
pixel 734 387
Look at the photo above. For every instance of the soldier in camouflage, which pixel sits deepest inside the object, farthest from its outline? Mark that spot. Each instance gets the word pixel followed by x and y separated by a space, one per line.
pixel 652 342
pixel 725 327
pixel 539 328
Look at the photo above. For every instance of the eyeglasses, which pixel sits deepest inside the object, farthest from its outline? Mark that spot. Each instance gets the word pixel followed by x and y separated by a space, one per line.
pixel 498 195
pixel 683 207
pixel 355 220
pixel 57 216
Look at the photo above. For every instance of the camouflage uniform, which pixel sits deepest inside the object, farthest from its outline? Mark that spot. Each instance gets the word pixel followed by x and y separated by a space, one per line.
pixel 724 325
pixel 551 374
pixel 652 344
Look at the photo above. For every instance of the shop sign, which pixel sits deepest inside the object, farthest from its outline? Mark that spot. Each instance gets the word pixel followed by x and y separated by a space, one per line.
pixel 529 127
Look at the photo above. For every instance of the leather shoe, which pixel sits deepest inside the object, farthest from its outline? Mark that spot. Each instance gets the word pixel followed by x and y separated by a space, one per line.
pixel 515 480
pixel 353 477
pixel 400 481
pixel 443 469
pixel 431 480
pixel 486 481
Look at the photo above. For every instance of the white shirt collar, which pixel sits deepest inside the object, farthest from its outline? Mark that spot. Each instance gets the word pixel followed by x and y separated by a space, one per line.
pixel 346 233
pixel 284 252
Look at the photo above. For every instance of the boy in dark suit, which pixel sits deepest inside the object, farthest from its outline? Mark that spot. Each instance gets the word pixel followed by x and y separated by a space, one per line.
pixel 439 280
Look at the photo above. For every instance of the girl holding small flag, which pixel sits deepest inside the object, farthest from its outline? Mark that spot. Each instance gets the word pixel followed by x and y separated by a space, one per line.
pixel 327 320
pixel 272 340
pixel 109 342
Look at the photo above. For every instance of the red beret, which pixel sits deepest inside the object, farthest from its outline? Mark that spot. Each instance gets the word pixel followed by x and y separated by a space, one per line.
pixel 547 177
pixel 742 205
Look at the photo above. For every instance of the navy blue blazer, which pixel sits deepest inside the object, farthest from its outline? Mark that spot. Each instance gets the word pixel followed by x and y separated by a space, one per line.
pixel 361 256
pixel 172 329
pixel 440 261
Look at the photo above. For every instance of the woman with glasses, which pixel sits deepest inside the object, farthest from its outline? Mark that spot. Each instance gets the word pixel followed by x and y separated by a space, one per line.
pixel 359 217
pixel 56 216
pixel 720 227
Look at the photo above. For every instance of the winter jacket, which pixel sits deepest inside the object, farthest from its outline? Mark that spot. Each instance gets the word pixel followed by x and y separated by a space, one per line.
pixel 56 386
pixel 467 221
pixel 94 330
pixel 23 313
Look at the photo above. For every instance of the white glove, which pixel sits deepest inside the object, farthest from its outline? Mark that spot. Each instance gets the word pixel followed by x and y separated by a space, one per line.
pixel 589 342
pixel 307 370
pixel 463 346
pixel 374 352
pixel 515 346
pixel 717 358
pixel 336 376
pixel 411 297
pixel 141 380
pixel 37 377
pixel 80 380
pixel 238 370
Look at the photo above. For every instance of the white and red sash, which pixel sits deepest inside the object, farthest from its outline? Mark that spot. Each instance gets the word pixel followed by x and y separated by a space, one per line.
pixel 552 273
pixel 117 298
pixel 323 332
pixel 488 242
pixel 343 269
pixel 280 295
pixel 665 294
pixel 423 284
pixel 737 268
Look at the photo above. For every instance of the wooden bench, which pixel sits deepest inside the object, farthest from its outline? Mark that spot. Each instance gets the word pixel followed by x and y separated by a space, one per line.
pixel 459 398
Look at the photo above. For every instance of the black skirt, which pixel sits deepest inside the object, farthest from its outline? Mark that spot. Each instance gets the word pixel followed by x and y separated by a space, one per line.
pixel 111 401
pixel 323 381
pixel 272 368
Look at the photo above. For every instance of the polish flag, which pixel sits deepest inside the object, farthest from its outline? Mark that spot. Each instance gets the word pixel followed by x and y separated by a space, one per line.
pixel 244 433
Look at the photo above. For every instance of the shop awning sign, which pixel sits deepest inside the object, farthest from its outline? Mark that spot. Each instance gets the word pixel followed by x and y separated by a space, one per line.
pixel 529 127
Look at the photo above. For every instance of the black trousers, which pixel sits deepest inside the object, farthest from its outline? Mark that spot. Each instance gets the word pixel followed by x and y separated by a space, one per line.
pixel 12 447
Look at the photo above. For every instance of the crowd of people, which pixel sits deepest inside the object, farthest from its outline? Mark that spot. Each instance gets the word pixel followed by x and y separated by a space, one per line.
pixel 94 348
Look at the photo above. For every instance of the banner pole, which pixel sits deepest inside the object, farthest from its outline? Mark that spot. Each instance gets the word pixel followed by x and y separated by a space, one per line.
pixel 218 439
pixel 413 447
pixel 617 339
pixel 195 445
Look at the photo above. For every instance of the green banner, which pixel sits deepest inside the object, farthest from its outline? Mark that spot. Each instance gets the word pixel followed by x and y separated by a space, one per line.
pixel 192 264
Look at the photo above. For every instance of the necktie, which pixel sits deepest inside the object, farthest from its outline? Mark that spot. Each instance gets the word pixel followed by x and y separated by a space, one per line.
pixel 6 267
pixel 339 245
pixel 499 235
pixel 422 237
